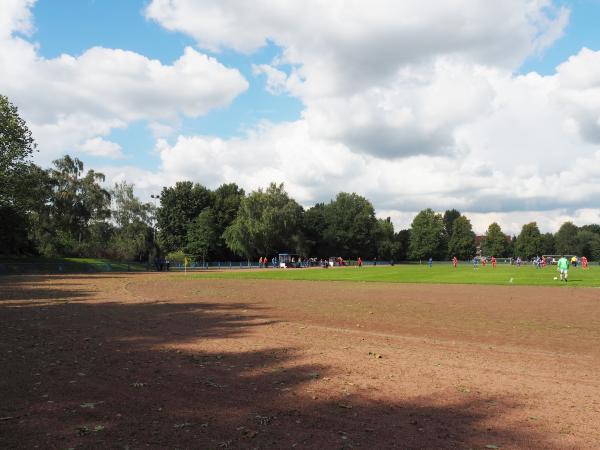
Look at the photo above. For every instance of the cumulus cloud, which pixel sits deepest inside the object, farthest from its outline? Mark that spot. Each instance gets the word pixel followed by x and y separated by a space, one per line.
pixel 579 79
pixel 15 17
pixel 412 104
pixel 386 78
pixel 101 147
pixel 418 103
pixel 69 99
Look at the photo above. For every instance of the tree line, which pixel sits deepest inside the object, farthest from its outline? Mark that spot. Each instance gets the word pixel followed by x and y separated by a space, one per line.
pixel 66 211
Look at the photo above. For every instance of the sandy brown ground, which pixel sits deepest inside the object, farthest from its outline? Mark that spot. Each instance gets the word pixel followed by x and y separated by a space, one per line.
pixel 158 361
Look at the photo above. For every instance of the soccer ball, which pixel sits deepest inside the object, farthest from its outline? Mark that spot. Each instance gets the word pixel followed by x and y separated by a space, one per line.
pixel 556 278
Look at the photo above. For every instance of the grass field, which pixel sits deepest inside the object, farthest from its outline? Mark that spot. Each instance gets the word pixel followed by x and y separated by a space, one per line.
pixel 438 274
pixel 10 265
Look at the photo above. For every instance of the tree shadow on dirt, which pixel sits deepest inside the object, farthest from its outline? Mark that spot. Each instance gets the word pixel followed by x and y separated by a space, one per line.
pixel 154 375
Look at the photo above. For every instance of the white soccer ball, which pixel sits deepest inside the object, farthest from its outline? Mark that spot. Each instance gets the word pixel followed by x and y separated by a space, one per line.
pixel 556 278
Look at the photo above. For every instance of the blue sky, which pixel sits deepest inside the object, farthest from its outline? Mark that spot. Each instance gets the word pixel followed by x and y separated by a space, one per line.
pixel 73 26
pixel 412 104
pixel 582 31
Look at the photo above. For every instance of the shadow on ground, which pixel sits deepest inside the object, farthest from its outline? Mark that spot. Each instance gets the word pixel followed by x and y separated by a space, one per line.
pixel 119 375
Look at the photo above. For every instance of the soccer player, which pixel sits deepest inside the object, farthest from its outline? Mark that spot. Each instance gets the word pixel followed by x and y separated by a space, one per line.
pixel 584 262
pixel 430 262
pixel 483 261
pixel 493 262
pixel 359 262
pixel 563 268
pixel 455 262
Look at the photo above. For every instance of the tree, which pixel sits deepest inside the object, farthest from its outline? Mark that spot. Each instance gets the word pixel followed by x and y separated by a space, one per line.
pixel 134 237
pixel 449 217
pixel 528 242
pixel 566 239
pixel 495 242
pixel 202 235
pixel 593 227
pixel 588 244
pixel 462 241
pixel 127 208
pixel 16 147
pixel 387 247
pixel 225 205
pixel 427 234
pixel 314 225
pixel 266 222
pixel 179 206
pixel 76 201
pixel 23 186
pixel 351 226
pixel 402 239
pixel 547 244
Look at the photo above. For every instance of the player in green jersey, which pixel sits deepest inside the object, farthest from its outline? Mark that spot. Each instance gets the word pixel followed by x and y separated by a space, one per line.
pixel 563 268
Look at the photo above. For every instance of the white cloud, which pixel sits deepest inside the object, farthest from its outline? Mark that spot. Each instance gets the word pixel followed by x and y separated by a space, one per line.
pixel 161 130
pixel 101 147
pixel 15 16
pixel 69 99
pixel 412 104
pixel 417 103
pixel 387 78
pixel 579 79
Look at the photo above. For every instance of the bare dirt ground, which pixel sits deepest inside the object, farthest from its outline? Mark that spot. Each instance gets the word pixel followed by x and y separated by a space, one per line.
pixel 159 361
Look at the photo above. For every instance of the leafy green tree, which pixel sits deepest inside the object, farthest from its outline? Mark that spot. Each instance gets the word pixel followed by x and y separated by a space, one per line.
pixel 314 225
pixel 134 237
pixel 402 239
pixel 495 242
pixel 226 203
pixel 202 236
pixel 127 208
pixel 593 227
pixel 76 201
pixel 351 226
pixel 566 239
pixel 547 244
pixel 588 244
pixel 528 242
pixel 23 186
pixel 265 223
pixel 449 217
pixel 462 241
pixel 387 246
pixel 427 236
pixel 179 206
pixel 16 147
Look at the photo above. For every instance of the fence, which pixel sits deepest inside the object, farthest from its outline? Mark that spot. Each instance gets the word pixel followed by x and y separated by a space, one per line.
pixel 25 268
pixel 18 268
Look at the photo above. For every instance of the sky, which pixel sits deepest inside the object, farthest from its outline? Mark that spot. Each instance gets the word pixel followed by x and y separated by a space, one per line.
pixel 492 108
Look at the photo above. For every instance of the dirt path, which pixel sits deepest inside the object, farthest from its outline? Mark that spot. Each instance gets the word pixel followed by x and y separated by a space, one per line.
pixel 156 361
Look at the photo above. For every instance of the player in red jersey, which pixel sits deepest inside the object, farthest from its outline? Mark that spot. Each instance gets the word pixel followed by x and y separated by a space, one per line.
pixel 493 262
pixel 454 262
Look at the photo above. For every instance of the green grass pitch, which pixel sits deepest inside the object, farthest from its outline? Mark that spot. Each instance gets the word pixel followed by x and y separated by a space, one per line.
pixel 414 273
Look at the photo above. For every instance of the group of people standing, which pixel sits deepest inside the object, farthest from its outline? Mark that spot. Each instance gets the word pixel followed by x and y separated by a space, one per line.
pixel 263 262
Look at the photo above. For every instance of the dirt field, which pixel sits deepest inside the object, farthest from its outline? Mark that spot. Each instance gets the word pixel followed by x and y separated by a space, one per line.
pixel 159 361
